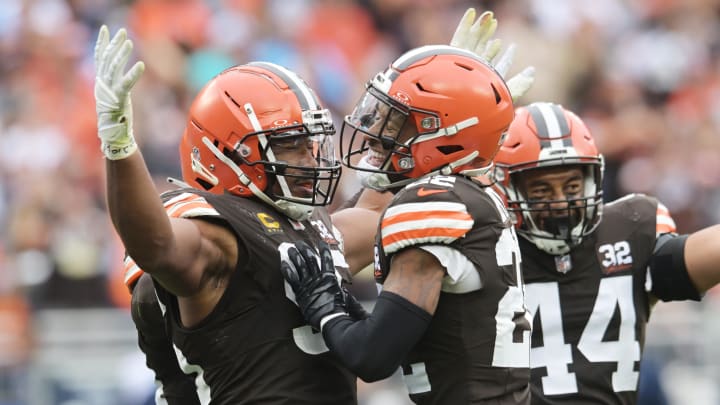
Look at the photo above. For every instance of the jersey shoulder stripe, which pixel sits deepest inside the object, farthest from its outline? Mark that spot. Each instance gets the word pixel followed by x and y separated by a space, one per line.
pixel 189 205
pixel 132 272
pixel 411 224
pixel 665 223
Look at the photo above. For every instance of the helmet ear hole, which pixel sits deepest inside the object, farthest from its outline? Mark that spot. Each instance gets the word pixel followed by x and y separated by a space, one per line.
pixel 204 184
pixel 449 149
pixel 498 99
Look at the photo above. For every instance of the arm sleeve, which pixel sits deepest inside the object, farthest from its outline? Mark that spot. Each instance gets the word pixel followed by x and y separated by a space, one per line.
pixel 374 347
pixel 669 276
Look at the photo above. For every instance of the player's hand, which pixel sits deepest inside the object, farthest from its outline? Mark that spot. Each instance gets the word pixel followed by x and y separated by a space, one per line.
pixel 354 307
pixel 112 93
pixel 475 36
pixel 311 275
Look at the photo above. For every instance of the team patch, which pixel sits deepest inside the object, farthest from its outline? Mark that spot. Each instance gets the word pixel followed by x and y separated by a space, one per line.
pixel 615 257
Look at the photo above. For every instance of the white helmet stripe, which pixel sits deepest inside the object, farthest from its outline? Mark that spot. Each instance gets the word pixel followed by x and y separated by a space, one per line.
pixel 410 57
pixel 306 97
pixel 551 124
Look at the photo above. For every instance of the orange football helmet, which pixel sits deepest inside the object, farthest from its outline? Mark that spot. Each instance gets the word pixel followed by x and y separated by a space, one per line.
pixel 233 129
pixel 435 110
pixel 546 135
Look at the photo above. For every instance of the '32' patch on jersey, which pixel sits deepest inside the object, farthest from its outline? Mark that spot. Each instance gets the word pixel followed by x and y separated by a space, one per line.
pixel 615 257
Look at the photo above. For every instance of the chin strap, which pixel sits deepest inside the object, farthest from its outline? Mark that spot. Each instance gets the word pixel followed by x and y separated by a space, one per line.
pixel 298 212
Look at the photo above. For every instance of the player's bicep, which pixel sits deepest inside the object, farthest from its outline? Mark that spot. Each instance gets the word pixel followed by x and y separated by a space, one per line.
pixel 358 227
pixel 416 275
pixel 202 251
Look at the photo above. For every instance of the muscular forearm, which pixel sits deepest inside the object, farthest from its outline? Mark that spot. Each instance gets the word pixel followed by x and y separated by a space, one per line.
pixel 137 211
pixel 373 348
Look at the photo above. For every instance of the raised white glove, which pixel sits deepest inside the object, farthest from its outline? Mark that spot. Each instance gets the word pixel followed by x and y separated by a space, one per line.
pixel 112 93
pixel 475 36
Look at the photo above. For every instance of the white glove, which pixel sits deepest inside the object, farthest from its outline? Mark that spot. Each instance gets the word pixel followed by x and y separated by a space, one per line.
pixel 112 93
pixel 474 35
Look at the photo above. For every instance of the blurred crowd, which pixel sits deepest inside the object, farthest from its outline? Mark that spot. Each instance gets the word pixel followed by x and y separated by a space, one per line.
pixel 644 74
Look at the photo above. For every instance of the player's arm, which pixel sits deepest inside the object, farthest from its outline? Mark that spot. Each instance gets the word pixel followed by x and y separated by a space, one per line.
pixel 371 346
pixel 358 226
pixel 374 347
pixel 702 258
pixel 177 251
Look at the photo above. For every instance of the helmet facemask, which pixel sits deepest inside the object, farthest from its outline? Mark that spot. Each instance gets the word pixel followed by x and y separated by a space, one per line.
pixel 436 110
pixel 258 130
pixel 557 225
pixel 382 135
pixel 379 134
pixel 299 160
pixel 551 174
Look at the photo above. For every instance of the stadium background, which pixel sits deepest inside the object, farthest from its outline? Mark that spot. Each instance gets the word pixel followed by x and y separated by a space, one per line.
pixel 645 75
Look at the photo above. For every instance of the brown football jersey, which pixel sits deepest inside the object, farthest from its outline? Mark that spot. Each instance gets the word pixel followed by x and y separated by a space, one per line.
pixel 174 387
pixel 255 347
pixel 476 348
pixel 590 307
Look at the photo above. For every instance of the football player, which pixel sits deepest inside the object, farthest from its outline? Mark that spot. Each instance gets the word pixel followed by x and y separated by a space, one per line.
pixel 258 153
pixel 451 311
pixel 174 387
pixel 592 270
pixel 357 225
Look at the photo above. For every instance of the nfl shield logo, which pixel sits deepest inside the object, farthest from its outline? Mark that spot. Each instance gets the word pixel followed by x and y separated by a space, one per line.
pixel 563 264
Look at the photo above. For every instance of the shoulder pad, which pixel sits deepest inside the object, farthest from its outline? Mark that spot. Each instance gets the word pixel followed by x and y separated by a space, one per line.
pixel 407 224
pixel 188 205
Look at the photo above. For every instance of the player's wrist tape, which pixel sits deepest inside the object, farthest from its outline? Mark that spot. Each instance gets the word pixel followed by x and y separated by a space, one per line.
pixel 328 318
pixel 119 148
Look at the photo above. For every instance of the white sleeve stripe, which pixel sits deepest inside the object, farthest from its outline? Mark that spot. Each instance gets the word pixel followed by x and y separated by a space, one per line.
pixel 395 246
pixel 183 196
pixel 665 220
pixel 200 212
pixel 425 206
pixel 201 205
pixel 424 224
pixel 131 272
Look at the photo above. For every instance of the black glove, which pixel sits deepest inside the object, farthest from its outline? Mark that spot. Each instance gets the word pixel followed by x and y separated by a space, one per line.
pixel 316 289
pixel 354 307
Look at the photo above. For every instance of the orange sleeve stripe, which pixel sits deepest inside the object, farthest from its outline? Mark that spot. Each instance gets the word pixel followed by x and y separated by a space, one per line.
pixel 130 281
pixel 182 198
pixel 424 215
pixel 132 272
pixel 423 235
pixel 179 210
pixel 664 228
pixel 664 222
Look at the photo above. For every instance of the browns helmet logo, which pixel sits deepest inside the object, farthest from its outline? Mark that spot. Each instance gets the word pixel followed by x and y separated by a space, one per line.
pixel 402 97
